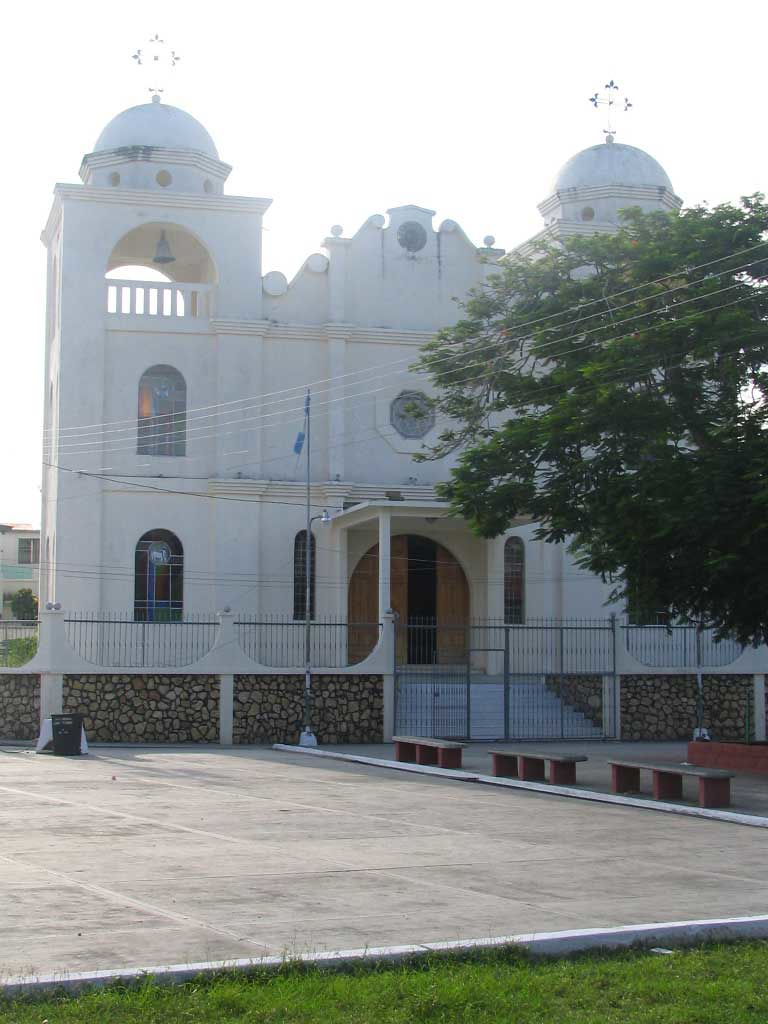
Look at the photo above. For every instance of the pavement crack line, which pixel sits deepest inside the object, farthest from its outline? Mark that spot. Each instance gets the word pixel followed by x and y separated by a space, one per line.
pixel 121 899
pixel 277 848
pixel 146 777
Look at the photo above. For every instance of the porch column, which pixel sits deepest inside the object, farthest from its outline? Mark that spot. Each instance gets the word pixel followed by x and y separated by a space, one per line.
pixel 385 534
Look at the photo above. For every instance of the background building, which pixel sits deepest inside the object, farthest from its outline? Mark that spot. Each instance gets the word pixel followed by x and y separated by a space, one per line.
pixel 19 562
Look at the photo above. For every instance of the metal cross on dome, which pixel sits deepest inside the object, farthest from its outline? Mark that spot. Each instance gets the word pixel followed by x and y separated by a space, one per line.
pixel 157 59
pixel 610 100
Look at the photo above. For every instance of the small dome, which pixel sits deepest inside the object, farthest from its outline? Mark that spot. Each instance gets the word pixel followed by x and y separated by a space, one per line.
pixel 156 124
pixel 611 163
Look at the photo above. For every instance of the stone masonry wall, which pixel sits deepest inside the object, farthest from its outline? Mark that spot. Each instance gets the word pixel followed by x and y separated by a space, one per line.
pixel 345 709
pixel 19 707
pixel 145 709
pixel 664 707
pixel 582 693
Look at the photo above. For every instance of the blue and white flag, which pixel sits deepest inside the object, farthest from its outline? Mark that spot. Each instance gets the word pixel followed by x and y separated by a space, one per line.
pixel 298 444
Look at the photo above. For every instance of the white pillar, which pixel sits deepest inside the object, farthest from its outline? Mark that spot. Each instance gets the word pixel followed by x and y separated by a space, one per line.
pixel 226 708
pixel 758 704
pixel 385 535
pixel 52 645
pixel 51 694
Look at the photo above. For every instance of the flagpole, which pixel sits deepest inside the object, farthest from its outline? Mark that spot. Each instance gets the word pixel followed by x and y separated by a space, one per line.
pixel 307 738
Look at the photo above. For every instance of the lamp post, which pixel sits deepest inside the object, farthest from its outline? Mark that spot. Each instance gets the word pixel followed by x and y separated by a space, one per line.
pixel 308 738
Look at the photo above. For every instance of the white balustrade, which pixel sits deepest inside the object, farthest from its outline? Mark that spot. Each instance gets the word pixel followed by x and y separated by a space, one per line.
pixel 144 298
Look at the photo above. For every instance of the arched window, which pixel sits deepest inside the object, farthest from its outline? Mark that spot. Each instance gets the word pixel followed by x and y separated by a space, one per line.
pixel 300 576
pixel 159 578
pixel 514 582
pixel 162 425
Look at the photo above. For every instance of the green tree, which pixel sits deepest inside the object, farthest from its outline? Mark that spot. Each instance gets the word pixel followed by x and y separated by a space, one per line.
pixel 611 388
pixel 24 604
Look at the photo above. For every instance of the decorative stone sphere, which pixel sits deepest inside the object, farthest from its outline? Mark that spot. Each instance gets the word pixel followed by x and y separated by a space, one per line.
pixel 274 283
pixel 317 263
pixel 337 230
pixel 376 220
pixel 489 241
pixel 156 124
pixel 448 226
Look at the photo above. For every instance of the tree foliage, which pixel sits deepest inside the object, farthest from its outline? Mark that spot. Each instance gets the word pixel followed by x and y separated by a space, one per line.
pixel 24 604
pixel 611 388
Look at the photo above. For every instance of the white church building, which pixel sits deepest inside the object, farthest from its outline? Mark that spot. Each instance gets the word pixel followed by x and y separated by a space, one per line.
pixel 171 485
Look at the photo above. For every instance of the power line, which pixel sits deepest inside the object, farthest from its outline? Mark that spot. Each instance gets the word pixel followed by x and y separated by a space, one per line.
pixel 676 320
pixel 330 380
pixel 170 436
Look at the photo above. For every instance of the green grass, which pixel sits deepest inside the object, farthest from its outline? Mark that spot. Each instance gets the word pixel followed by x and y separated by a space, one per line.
pixel 15 653
pixel 723 984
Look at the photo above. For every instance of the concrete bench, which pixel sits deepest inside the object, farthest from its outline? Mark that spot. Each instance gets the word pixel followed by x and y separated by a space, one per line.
pixel 667 781
pixel 528 765
pixel 422 750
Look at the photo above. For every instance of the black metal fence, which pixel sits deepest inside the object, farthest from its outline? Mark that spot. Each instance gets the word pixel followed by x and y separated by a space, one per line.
pixel 679 646
pixel 116 640
pixel 18 641
pixel 280 642
pixel 548 679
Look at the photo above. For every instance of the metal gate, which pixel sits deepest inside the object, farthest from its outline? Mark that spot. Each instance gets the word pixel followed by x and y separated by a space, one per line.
pixel 549 679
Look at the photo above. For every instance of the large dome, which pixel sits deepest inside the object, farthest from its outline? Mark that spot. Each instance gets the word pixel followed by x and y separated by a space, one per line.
pixel 156 124
pixel 611 164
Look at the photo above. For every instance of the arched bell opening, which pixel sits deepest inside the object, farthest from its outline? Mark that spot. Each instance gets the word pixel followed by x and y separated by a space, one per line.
pixel 430 594
pixel 160 270
pixel 168 248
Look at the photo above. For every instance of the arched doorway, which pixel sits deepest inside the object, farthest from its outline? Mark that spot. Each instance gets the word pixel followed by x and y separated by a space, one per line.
pixel 430 594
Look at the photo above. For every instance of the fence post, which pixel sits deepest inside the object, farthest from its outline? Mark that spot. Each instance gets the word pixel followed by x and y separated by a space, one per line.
pixel 51 651
pixel 51 694
pixel 560 680
pixel 225 637
pixel 758 707
pixel 506 682
pixel 226 708
pixel 699 732
pixel 389 679
pixel 612 722
pixel 52 640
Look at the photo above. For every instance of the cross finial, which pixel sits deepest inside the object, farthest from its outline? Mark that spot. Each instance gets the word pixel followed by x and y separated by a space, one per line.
pixel 157 59
pixel 609 100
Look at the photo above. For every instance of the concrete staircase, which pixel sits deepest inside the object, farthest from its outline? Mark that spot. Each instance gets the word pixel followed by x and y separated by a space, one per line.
pixel 438 707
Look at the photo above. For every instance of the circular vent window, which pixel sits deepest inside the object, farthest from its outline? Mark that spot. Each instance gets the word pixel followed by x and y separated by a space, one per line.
pixel 412 236
pixel 411 414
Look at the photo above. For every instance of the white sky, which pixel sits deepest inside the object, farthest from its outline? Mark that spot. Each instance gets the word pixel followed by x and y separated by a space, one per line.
pixel 340 109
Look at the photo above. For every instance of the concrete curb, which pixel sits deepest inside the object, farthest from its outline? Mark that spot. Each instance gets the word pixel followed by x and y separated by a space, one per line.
pixel 545 944
pixel 732 817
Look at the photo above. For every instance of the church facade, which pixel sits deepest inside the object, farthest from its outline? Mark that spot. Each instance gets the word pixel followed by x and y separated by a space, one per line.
pixel 176 378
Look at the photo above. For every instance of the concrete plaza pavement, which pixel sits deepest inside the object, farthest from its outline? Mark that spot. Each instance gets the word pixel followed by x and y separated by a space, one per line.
pixel 749 793
pixel 134 857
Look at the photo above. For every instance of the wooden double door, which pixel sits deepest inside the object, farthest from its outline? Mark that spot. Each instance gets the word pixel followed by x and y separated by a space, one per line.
pixel 430 594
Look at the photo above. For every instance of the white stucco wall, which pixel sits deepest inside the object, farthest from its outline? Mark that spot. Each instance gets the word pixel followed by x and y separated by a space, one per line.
pixel 352 320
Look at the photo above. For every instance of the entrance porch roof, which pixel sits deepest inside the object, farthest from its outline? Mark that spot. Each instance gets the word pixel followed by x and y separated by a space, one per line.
pixel 368 510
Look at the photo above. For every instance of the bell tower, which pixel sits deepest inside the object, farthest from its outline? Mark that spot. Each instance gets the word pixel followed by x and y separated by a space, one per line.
pixel 150 264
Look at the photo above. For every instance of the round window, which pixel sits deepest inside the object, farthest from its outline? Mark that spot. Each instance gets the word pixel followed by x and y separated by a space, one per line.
pixel 412 236
pixel 411 414
pixel 163 179
pixel 587 213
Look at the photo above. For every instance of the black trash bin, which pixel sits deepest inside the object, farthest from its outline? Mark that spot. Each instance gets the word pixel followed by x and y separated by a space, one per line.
pixel 67 731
